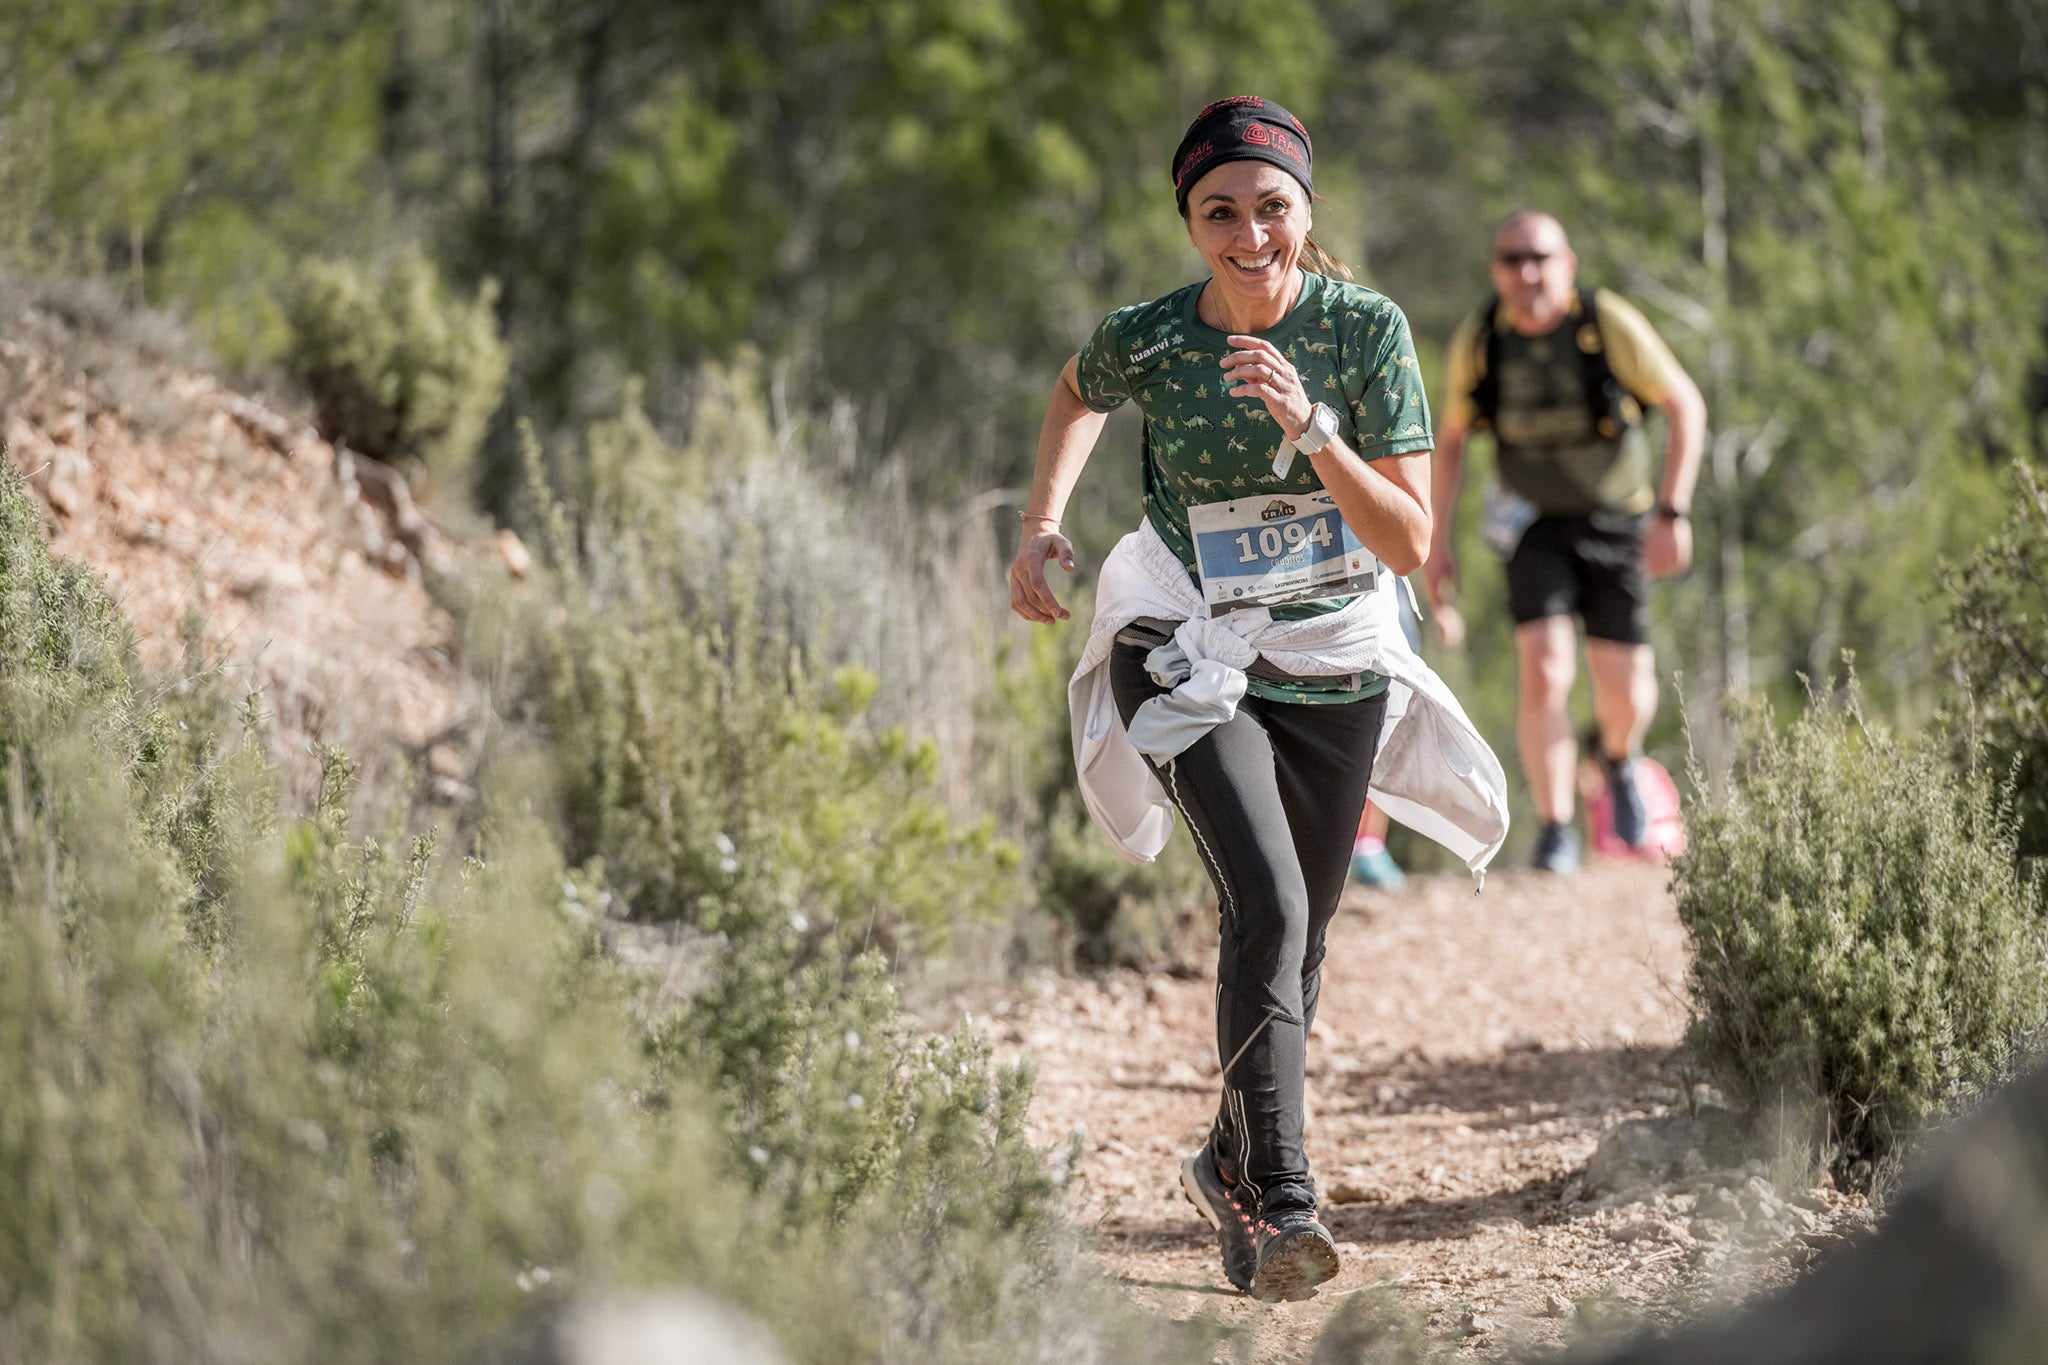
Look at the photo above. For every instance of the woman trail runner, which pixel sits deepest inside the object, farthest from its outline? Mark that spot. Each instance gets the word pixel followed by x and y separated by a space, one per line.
pixel 1244 664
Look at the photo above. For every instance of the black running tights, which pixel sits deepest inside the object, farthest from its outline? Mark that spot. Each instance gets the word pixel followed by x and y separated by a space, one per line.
pixel 1272 798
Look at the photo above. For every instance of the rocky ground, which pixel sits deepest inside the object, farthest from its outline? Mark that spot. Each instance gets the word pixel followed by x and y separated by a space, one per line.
pixel 1473 1055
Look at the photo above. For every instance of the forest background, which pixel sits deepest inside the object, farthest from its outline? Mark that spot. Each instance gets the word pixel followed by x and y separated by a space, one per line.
pixel 745 316
pixel 888 224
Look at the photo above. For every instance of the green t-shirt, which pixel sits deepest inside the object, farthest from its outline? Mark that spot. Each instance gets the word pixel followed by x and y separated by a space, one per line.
pixel 1352 349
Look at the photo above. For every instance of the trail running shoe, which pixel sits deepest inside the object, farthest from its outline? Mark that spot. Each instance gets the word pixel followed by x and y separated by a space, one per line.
pixel 1557 850
pixel 1295 1254
pixel 1631 815
pixel 1223 1205
pixel 1374 866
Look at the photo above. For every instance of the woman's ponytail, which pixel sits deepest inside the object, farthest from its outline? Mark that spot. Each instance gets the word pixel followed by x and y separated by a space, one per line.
pixel 1323 263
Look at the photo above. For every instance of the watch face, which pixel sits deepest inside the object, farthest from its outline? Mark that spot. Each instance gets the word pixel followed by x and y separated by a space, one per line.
pixel 1322 423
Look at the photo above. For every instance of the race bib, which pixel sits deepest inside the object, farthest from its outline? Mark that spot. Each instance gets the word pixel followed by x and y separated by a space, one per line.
pixel 1271 550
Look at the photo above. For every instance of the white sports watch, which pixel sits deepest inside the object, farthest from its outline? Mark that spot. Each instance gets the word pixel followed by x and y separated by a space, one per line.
pixel 1322 426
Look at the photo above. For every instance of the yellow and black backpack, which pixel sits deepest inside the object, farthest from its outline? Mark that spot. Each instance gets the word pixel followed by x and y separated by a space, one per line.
pixel 1613 407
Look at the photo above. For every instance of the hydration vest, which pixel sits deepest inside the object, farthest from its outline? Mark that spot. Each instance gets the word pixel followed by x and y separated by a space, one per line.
pixel 1611 406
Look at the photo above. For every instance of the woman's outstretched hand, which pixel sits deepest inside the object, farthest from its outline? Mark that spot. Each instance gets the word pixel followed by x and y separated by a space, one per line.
pixel 1256 369
pixel 1030 594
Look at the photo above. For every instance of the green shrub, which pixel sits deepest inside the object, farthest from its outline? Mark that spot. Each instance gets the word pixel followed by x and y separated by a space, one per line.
pixel 399 368
pixel 697 751
pixel 721 783
pixel 1865 954
pixel 352 1138
pixel 269 1093
pixel 381 1105
pixel 61 636
pixel 897 1158
pixel 1998 617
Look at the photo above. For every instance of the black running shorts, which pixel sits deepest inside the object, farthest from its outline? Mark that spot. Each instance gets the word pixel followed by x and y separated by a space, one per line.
pixel 1590 566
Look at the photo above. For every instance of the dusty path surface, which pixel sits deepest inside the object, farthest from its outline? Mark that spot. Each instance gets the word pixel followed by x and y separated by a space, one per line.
pixel 1470 1051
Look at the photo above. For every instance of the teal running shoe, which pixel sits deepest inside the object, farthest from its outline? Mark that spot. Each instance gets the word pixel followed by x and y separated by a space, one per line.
pixel 1373 866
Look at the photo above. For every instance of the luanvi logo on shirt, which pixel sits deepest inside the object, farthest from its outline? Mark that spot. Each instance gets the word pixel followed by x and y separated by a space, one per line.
pixel 1156 347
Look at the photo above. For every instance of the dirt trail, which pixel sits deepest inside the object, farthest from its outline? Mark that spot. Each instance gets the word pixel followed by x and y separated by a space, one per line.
pixel 1469 1053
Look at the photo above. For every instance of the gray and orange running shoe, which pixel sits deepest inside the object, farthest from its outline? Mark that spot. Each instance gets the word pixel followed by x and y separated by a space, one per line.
pixel 1222 1203
pixel 1295 1254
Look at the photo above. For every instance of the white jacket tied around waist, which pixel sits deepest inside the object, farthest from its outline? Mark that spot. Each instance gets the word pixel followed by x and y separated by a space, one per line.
pixel 1433 772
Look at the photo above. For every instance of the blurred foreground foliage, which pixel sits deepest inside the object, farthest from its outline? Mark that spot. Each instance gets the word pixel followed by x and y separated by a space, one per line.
pixel 280 1091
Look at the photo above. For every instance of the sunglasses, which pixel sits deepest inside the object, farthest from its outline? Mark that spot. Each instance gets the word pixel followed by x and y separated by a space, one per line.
pixel 1515 260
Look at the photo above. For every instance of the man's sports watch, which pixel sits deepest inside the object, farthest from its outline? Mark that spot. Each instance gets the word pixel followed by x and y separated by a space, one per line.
pixel 1666 512
pixel 1322 426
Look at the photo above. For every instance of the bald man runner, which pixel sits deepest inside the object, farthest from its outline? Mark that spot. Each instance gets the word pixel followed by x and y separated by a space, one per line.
pixel 1561 377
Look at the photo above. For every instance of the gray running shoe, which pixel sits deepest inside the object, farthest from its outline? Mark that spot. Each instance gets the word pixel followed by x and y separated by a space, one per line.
pixel 1557 850
pixel 1223 1206
pixel 1631 816
pixel 1296 1253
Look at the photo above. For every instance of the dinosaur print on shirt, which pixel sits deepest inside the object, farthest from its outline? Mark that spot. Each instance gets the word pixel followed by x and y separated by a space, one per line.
pixel 1205 443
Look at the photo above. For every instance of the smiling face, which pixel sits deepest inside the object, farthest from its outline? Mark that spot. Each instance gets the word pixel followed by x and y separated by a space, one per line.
pixel 1250 220
pixel 1535 271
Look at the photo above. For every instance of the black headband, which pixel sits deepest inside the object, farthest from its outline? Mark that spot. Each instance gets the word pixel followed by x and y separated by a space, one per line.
pixel 1245 128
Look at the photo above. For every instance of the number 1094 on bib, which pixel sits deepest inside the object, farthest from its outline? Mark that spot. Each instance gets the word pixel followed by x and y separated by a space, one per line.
pixel 1267 551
